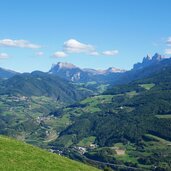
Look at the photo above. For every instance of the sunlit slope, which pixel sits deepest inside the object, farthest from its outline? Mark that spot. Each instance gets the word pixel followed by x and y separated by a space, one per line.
pixel 18 156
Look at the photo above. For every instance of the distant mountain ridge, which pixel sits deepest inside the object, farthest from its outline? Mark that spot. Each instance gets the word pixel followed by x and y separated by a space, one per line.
pixel 68 71
pixel 39 83
pixel 5 73
pixel 76 74
pixel 103 72
pixel 111 75
pixel 147 61
pixel 142 70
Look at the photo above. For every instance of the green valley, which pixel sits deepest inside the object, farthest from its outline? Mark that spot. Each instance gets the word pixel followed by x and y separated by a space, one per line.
pixel 121 127
pixel 135 115
pixel 85 85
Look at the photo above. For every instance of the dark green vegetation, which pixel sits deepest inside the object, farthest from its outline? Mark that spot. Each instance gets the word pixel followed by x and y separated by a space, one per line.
pixel 92 87
pixel 4 73
pixel 41 84
pixel 125 127
pixel 26 101
pixel 26 118
pixel 136 115
pixel 19 156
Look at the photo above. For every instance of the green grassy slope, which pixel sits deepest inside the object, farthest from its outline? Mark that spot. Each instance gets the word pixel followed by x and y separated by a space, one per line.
pixel 18 156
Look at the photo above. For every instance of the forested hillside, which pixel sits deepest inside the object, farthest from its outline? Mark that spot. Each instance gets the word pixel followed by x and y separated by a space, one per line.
pixel 41 84
pixel 137 113
pixel 127 126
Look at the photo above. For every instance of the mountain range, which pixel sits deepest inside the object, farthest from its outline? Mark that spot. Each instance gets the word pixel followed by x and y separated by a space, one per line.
pixel 147 61
pixel 111 75
pixel 4 73
pixel 76 74
pixel 126 125
pixel 133 118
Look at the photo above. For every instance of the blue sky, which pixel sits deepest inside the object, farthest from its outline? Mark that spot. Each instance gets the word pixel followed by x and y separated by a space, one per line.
pixel 35 34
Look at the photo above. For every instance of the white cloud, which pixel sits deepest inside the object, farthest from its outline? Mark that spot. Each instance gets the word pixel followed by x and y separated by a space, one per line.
pixel 110 52
pixel 59 54
pixel 4 55
pixel 168 42
pixel 18 43
pixel 168 51
pixel 94 53
pixel 39 53
pixel 74 46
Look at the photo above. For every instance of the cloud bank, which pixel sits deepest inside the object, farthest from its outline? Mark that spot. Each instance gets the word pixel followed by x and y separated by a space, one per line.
pixel 39 53
pixel 4 56
pixel 18 43
pixel 75 46
pixel 168 43
pixel 168 51
pixel 59 54
pixel 110 52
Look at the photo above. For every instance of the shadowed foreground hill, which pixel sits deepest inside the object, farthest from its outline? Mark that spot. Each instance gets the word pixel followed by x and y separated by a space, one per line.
pixel 18 156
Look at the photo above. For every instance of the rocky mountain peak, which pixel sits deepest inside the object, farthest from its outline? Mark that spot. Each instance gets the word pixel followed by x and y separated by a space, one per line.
pixel 147 58
pixel 64 65
pixel 157 57
pixel 74 73
pixel 149 61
